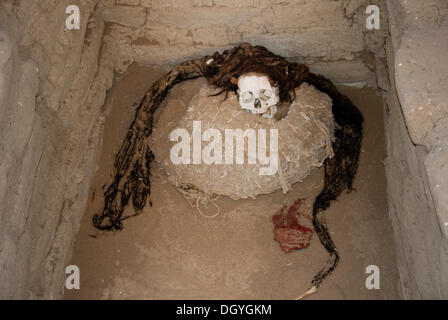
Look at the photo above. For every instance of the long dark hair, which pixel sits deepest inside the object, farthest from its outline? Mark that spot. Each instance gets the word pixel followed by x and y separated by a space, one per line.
pixel 223 71
pixel 132 163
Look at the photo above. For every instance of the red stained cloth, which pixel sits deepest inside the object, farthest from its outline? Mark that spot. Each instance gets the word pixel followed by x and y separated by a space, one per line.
pixel 288 232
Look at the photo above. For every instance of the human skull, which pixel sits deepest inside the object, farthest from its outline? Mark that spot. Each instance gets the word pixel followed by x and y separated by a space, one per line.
pixel 256 95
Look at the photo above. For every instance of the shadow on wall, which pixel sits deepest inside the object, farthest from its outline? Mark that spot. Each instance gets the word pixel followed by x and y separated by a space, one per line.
pixel 417 145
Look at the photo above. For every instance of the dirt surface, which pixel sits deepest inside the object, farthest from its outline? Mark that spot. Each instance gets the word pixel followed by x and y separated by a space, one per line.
pixel 172 252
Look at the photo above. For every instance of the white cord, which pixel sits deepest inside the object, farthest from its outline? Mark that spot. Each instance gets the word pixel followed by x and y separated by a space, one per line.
pixel 190 192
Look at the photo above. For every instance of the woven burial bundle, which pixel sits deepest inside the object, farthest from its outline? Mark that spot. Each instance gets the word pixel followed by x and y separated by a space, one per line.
pixel 304 142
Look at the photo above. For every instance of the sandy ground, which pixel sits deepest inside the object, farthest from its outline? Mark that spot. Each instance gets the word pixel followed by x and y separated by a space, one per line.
pixel 172 252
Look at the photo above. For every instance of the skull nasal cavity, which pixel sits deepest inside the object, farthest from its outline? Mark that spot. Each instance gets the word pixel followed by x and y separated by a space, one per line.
pixel 257 104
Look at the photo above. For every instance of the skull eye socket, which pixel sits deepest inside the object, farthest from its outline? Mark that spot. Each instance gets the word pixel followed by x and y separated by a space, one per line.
pixel 247 96
pixel 266 94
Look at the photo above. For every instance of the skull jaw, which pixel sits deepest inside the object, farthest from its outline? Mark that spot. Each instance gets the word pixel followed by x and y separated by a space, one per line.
pixel 270 113
pixel 266 113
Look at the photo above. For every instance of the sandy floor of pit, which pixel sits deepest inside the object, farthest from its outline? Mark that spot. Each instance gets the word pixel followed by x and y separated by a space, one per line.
pixel 171 252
